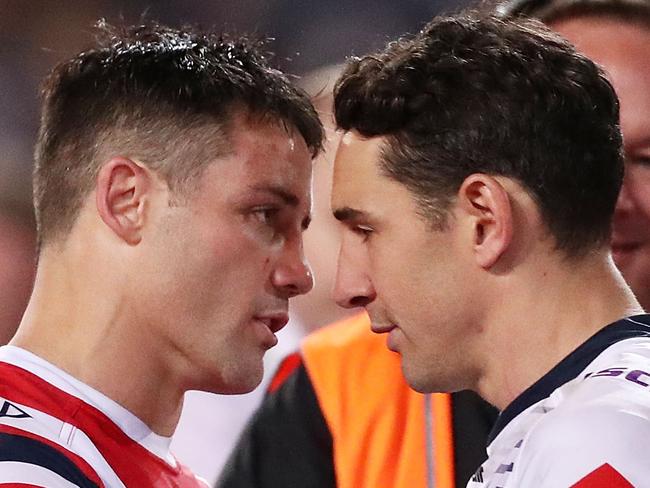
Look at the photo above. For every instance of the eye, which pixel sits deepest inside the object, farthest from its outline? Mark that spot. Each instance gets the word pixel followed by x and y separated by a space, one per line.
pixel 642 160
pixel 363 231
pixel 266 215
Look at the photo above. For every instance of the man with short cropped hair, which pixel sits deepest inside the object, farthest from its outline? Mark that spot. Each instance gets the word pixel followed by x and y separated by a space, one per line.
pixel 172 187
pixel 476 184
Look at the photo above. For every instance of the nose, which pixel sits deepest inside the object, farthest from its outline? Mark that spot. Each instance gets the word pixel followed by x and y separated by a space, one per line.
pixel 352 288
pixel 625 202
pixel 292 276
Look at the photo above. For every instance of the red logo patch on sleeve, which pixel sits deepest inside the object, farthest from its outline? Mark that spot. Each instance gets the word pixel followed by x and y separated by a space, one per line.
pixel 604 477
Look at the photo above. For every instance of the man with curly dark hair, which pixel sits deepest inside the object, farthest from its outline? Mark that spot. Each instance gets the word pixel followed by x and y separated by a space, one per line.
pixel 172 187
pixel 476 183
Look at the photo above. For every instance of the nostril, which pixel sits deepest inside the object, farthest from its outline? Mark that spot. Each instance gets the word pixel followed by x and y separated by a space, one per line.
pixel 359 301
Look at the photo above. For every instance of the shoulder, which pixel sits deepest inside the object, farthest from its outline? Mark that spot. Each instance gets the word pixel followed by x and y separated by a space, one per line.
pixel 35 443
pixel 600 427
pixel 29 457
pixel 597 426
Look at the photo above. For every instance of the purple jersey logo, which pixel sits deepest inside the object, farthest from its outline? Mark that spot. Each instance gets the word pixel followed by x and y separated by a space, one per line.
pixel 635 375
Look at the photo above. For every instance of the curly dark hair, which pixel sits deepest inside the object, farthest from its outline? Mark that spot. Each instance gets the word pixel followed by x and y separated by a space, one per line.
pixel 162 95
pixel 475 93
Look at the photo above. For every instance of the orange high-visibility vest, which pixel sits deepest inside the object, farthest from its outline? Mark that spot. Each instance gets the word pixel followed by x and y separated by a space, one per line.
pixel 385 435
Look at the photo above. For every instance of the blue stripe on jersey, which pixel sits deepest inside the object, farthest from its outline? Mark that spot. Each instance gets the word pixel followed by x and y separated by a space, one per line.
pixel 27 450
pixel 572 365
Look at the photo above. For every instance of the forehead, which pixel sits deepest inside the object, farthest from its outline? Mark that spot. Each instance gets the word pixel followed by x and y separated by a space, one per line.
pixel 358 181
pixel 261 154
pixel 355 169
pixel 621 48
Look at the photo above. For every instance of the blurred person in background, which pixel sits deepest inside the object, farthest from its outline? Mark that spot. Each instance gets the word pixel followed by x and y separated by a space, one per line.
pixel 17 262
pixel 616 35
pixel 338 412
pixel 476 183
pixel 171 188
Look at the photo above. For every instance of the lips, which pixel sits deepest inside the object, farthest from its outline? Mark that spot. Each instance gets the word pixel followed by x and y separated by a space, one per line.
pixel 275 321
pixel 624 247
pixel 621 248
pixel 624 252
pixel 378 328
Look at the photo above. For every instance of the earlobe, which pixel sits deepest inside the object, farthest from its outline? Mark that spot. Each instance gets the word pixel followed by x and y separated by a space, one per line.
pixel 487 203
pixel 121 194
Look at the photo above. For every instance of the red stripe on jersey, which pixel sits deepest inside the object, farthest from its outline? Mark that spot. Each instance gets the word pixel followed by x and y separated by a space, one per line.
pixel 83 466
pixel 604 477
pixel 18 485
pixel 132 463
pixel 288 366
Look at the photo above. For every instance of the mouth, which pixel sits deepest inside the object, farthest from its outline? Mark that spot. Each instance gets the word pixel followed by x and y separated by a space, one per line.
pixel 621 249
pixel 274 321
pixel 378 328
pixel 625 246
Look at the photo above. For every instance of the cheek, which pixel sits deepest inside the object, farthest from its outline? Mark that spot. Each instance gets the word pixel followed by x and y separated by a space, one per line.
pixel 239 265
pixel 395 273
pixel 637 270
pixel 637 185
pixel 214 268
pixel 644 203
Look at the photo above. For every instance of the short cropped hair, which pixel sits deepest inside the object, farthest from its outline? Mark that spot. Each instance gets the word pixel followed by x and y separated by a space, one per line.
pixel 164 96
pixel 632 11
pixel 474 93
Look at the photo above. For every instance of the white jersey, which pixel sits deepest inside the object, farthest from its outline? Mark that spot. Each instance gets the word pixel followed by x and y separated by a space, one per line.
pixel 585 424
pixel 58 432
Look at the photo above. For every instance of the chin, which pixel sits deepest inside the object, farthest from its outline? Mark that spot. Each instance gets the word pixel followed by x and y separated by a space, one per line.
pixel 425 381
pixel 239 389
pixel 415 380
pixel 237 382
pixel 247 381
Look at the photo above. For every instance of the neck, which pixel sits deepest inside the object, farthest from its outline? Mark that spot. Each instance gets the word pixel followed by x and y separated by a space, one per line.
pixel 545 322
pixel 87 327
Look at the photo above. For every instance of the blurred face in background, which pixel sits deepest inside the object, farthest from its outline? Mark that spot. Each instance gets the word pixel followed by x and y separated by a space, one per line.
pixel 623 49
pixel 17 265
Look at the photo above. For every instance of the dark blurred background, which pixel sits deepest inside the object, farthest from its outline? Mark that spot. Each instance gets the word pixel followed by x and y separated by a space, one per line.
pixel 35 34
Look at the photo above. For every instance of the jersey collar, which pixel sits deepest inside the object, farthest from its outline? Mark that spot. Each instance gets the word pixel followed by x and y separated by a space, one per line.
pixel 572 365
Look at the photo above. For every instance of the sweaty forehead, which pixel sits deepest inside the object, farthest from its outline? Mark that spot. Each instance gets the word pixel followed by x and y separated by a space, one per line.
pixel 261 155
pixel 356 168
pixel 265 134
pixel 359 185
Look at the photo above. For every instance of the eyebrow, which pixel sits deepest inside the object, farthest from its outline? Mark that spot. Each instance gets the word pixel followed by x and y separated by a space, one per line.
pixel 286 196
pixel 346 214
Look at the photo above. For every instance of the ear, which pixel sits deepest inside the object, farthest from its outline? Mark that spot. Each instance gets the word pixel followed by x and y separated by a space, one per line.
pixel 487 203
pixel 121 195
